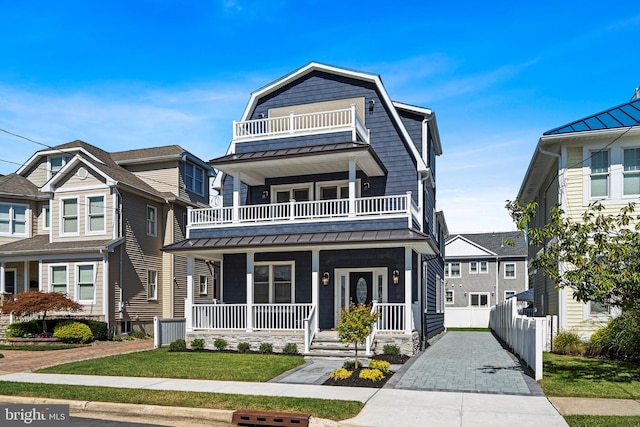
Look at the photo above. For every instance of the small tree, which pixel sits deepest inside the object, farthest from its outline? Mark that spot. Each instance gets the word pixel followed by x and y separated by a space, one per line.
pixel 35 302
pixel 355 325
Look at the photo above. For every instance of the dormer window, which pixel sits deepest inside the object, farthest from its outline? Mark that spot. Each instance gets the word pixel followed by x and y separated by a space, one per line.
pixel 194 178
pixel 56 163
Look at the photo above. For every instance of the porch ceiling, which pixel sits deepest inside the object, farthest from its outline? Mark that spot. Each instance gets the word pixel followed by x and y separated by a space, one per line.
pixel 254 167
pixel 216 246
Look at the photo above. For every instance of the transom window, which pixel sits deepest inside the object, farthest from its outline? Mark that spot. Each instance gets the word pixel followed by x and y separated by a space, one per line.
pixel 58 279
pixel 13 219
pixel 479 299
pixel 631 171
pixel 452 269
pixel 600 174
pixel 509 271
pixel 194 178
pixel 95 214
pixel 273 283
pixel 69 215
pixel 86 282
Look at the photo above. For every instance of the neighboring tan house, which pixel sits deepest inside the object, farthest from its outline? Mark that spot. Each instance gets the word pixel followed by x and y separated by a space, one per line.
pixel 596 158
pixel 91 224
pixel 328 199
pixel 482 270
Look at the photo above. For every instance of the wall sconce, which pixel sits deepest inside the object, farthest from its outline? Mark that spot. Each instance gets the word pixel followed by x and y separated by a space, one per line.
pixel 366 186
pixel 261 115
pixel 372 102
pixel 265 194
pixel 396 277
pixel 325 278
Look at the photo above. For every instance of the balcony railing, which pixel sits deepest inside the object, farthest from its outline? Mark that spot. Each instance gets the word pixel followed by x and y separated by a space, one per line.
pixel 297 124
pixel 342 209
pixel 272 317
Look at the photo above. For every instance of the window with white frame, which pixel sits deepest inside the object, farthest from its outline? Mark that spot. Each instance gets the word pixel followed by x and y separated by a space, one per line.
pixel 484 267
pixel 452 269
pixel 56 163
pixel 285 193
pixel 510 270
pixel 13 219
pixel 473 267
pixel 509 294
pixel 46 217
pixel 152 285
pixel 95 214
pixel 204 281
pixel 86 277
pixel 194 178
pixel 334 191
pixel 479 299
pixel 152 221
pixel 58 279
pixel 69 217
pixel 599 174
pixel 273 283
pixel 631 172
pixel 449 297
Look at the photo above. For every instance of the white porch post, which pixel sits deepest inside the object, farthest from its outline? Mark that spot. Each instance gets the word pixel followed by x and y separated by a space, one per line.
pixel 315 278
pixel 188 303
pixel 249 291
pixel 408 313
pixel 2 284
pixel 352 187
pixel 25 275
pixel 236 196
pixel 105 290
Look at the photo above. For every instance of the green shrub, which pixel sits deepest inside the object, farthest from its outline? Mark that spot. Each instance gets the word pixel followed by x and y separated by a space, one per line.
pixel 291 348
pixel 73 332
pixel 371 374
pixel 220 344
pixel 265 348
pixel 381 365
pixel 620 339
pixel 1 355
pixel 117 338
pixel 178 345
pixel 340 374
pixel 351 364
pixel 23 329
pixel 197 344
pixel 391 349
pixel 139 334
pixel 98 329
pixel 243 347
pixel 568 343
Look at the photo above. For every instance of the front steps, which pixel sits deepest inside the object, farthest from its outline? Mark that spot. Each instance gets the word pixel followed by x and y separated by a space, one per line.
pixel 326 344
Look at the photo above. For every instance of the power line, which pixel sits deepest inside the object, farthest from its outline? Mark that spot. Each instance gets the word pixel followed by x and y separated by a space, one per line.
pixel 25 138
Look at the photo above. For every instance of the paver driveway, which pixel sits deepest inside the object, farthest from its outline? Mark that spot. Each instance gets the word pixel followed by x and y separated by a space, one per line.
pixel 467 362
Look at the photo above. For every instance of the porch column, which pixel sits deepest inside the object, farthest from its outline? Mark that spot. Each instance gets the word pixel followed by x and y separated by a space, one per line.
pixel 236 196
pixel 249 291
pixel 408 313
pixel 352 187
pixel 315 278
pixel 2 284
pixel 25 275
pixel 188 302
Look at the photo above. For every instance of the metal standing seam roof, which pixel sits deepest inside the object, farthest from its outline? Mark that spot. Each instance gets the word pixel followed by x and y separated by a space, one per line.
pixel 624 115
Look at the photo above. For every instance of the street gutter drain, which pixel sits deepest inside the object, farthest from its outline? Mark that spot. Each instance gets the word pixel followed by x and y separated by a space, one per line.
pixel 269 419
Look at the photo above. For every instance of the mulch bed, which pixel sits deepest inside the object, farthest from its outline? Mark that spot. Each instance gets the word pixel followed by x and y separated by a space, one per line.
pixel 398 359
pixel 356 381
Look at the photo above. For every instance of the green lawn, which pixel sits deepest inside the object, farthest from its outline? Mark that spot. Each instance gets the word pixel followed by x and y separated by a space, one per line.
pixel 329 409
pixel 589 377
pixel 4 347
pixel 601 421
pixel 161 363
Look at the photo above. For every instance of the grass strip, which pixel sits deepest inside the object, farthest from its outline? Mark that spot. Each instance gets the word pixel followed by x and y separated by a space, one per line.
pixel 601 421
pixel 589 377
pixel 329 409
pixel 39 347
pixel 161 363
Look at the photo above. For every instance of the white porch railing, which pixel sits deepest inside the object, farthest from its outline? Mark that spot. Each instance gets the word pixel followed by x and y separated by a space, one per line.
pixel 391 319
pixel 265 316
pixel 297 124
pixel 364 208
pixel 310 328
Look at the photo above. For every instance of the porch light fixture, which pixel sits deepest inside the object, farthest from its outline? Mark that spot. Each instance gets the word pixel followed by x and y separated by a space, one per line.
pixel 325 278
pixel 366 186
pixel 265 194
pixel 396 277
pixel 372 102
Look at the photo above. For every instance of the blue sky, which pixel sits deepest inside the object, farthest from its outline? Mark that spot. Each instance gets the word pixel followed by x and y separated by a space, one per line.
pixel 132 74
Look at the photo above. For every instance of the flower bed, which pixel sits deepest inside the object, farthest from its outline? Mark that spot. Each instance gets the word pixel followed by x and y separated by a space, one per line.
pixel 34 341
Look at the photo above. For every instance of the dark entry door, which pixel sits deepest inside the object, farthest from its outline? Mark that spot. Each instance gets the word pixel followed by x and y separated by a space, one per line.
pixel 361 287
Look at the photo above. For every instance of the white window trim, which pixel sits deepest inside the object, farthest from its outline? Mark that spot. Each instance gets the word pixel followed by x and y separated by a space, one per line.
pixel 453 297
pixel 51 267
pixel 337 183
pixel 480 294
pixel 271 264
pixel 477 267
pixel 153 297
pixel 154 233
pixel 204 178
pixel 504 296
pixel 27 222
pixel 515 271
pixel 62 217
pixel 447 269
pixel 290 187
pixel 46 208
pixel 486 270
pixel 66 158
pixel 590 153
pixel 87 220
pixel 77 282
pixel 206 285
pixel 627 196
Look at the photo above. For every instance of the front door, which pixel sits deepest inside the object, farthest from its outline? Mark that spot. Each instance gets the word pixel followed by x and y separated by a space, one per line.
pixel 10 281
pixel 360 287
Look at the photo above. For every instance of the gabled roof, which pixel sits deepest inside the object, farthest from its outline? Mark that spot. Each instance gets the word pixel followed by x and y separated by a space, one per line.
pixel 157 154
pixel 495 243
pixel 624 115
pixel 17 186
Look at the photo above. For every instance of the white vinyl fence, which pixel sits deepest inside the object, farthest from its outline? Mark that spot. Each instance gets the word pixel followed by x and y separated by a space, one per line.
pixel 466 317
pixel 526 336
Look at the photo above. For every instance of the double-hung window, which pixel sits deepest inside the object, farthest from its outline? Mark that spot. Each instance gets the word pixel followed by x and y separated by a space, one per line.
pixel 273 283
pixel 484 266
pixel 95 214
pixel 194 178
pixel 510 271
pixel 631 172
pixel 69 218
pixel 473 267
pixel 152 285
pixel 452 269
pixel 204 280
pixel 86 274
pixel 13 220
pixel 58 278
pixel 152 221
pixel 600 174
pixel 449 297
